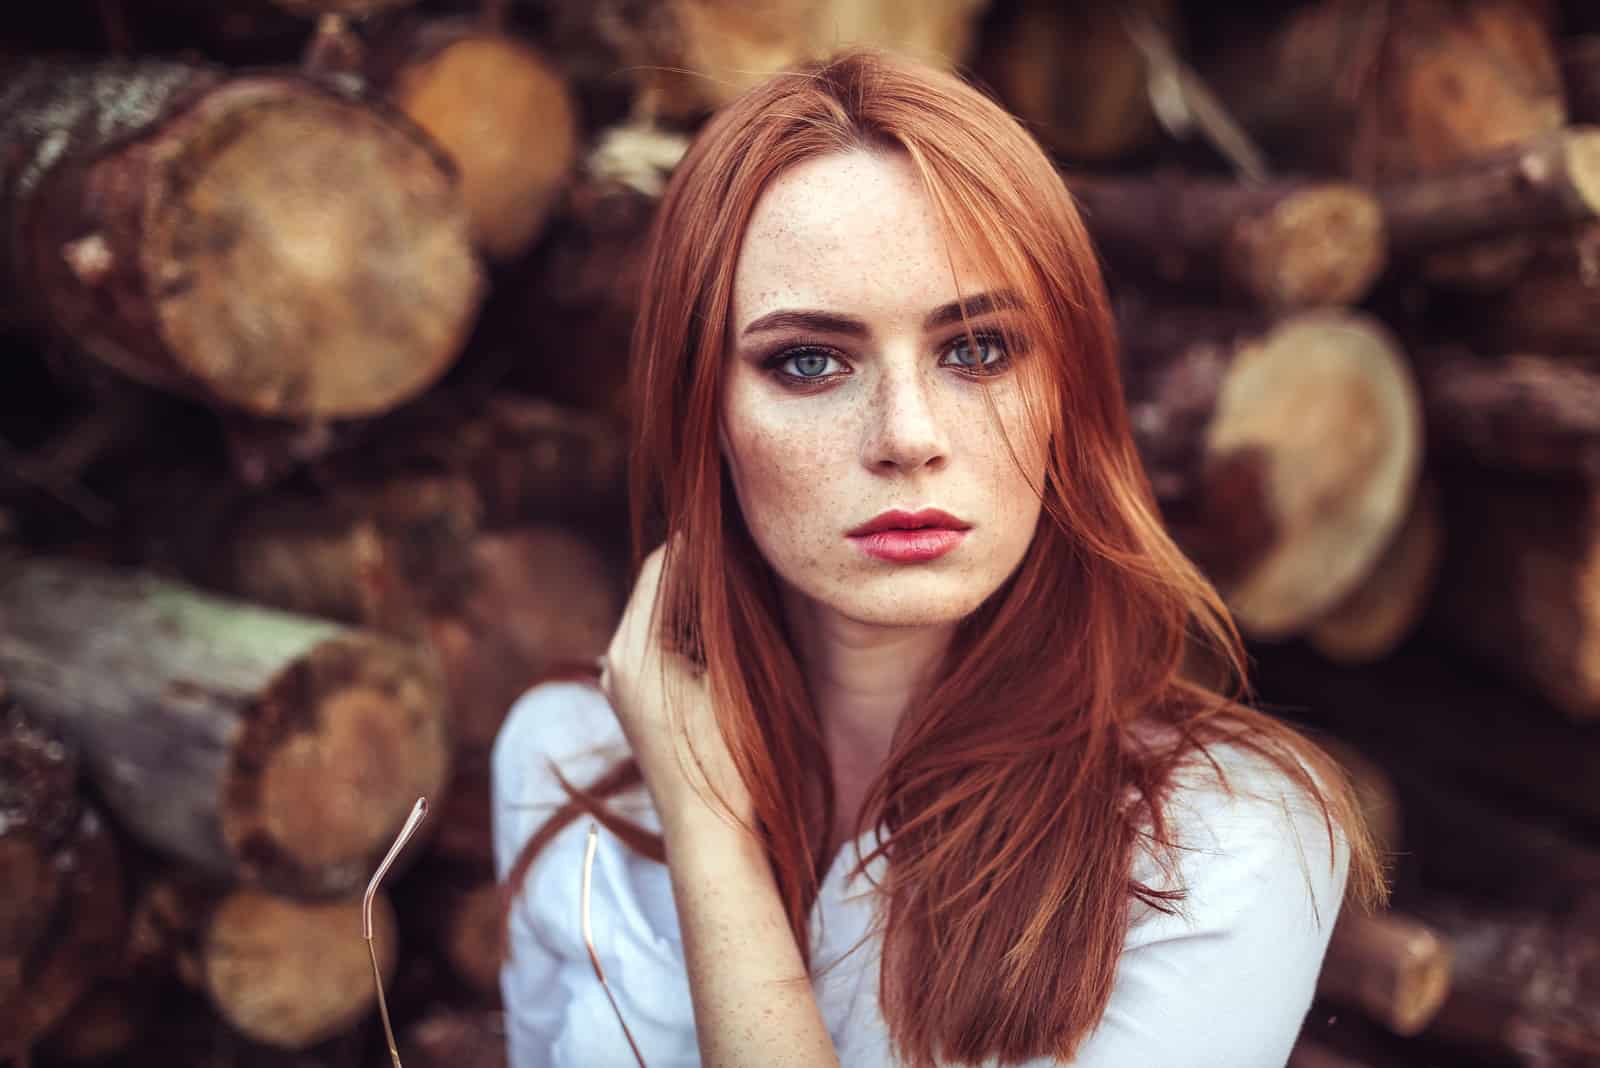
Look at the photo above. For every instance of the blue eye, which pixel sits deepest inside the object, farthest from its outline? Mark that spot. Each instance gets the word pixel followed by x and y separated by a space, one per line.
pixel 802 365
pixel 993 356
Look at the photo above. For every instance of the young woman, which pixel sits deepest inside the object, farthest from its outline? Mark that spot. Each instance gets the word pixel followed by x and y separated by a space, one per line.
pixel 901 748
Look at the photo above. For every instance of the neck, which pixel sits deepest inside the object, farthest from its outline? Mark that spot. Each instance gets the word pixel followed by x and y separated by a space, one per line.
pixel 861 677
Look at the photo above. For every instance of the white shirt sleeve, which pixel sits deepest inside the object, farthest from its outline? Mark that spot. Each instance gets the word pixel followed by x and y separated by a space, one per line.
pixel 1228 984
pixel 554 720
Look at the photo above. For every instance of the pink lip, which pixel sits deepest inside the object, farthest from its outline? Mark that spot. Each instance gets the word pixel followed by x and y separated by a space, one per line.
pixel 909 546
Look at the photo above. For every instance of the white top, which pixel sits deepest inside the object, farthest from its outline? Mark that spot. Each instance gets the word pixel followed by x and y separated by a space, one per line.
pixel 1226 987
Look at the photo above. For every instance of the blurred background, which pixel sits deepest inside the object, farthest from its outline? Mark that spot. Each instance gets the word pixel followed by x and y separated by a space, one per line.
pixel 313 326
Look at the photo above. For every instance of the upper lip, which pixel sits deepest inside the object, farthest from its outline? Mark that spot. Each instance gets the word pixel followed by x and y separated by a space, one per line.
pixel 899 520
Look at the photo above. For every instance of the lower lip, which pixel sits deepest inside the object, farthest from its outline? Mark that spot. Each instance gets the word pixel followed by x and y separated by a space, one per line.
pixel 910 546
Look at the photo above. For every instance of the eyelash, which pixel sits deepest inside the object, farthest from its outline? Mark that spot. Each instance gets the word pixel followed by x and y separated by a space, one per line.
pixel 777 360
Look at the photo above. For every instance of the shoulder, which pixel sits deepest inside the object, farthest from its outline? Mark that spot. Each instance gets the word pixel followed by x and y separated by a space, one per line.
pixel 568 724
pixel 1247 836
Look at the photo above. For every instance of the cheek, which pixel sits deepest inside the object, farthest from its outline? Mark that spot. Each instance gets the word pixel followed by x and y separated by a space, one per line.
pixel 786 488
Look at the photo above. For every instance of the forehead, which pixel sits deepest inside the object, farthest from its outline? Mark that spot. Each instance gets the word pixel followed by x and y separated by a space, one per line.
pixel 850 231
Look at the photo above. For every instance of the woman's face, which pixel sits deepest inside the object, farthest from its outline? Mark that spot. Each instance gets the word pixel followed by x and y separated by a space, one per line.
pixel 852 391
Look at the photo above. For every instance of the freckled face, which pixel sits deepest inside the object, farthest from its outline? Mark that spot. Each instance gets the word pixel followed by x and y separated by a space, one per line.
pixel 875 404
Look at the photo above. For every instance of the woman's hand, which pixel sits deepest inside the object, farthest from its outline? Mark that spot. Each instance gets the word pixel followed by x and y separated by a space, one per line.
pixel 664 706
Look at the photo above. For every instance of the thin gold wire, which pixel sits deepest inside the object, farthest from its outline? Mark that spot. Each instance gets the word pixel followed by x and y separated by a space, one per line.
pixel 418 810
pixel 588 938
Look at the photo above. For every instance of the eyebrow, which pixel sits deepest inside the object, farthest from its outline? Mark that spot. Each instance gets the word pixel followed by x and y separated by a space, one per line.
pixel 834 323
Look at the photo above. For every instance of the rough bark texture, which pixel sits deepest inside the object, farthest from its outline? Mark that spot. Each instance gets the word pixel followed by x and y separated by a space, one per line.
pixel 257 241
pixel 254 744
pixel 1284 457
pixel 1525 413
pixel 1283 246
pixel 1548 300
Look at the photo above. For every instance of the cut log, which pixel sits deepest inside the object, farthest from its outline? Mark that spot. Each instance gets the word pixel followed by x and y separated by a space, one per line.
pixel 256 241
pixel 456 910
pixel 286 973
pixel 106 1022
pixel 1282 246
pixel 1427 704
pixel 1391 966
pixel 1551 303
pixel 1381 90
pixel 1380 613
pixel 39 810
pixel 1380 804
pixel 1524 413
pixel 353 8
pixel 688 57
pixel 82 942
pixel 1518 586
pixel 1527 984
pixel 1547 181
pixel 1284 456
pixel 501 111
pixel 1074 75
pixel 254 744
pixel 457 1039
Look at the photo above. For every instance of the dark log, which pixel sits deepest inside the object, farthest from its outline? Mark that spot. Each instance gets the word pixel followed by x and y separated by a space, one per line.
pixel 1383 90
pixel 455 910
pixel 258 241
pixel 1527 984
pixel 1074 75
pixel 253 744
pixel 1516 588
pixel 106 1022
pixel 501 111
pixel 1523 413
pixel 1580 72
pixel 1283 246
pixel 1390 965
pixel 1549 303
pixel 351 8
pixel 1379 614
pixel 1548 181
pixel 284 972
pixel 456 1039
pixel 1284 456
pixel 1424 704
pixel 39 810
pixel 82 942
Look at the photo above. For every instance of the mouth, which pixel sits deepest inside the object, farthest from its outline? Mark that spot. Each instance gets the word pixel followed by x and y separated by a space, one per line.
pixel 927 519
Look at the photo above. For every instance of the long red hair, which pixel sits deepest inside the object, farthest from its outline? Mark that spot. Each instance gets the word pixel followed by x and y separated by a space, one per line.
pixel 1005 800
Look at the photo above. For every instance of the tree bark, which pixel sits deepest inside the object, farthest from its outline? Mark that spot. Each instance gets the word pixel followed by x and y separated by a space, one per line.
pixel 501 111
pixel 82 942
pixel 257 241
pixel 1525 983
pixel 1283 246
pixel 1522 414
pixel 39 810
pixel 1284 456
pixel 1580 72
pixel 1518 584
pixel 1549 181
pixel 1379 90
pixel 1549 303
pixel 1075 76
pixel 457 1039
pixel 256 745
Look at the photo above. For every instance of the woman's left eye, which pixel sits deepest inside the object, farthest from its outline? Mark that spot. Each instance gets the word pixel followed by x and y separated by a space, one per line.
pixel 991 354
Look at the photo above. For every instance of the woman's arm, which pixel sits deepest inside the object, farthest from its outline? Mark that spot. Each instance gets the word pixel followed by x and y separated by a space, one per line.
pixel 753 1002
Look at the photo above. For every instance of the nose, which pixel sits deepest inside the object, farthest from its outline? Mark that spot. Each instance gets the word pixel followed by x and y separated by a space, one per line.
pixel 905 431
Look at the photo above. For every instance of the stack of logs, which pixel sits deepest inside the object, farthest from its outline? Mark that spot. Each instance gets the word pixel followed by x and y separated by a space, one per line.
pixel 326 464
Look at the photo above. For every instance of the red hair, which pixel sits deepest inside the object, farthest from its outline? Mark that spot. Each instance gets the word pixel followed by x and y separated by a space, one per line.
pixel 1010 838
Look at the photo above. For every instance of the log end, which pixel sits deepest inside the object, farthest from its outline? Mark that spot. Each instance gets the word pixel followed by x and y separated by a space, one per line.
pixel 1582 158
pixel 1322 246
pixel 292 973
pixel 506 118
pixel 307 256
pixel 345 741
pixel 1327 399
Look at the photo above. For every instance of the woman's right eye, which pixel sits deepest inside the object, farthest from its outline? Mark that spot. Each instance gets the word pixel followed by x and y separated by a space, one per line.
pixel 803 365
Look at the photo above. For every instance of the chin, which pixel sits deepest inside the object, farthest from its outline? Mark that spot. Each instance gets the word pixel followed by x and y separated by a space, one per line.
pixel 908 600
